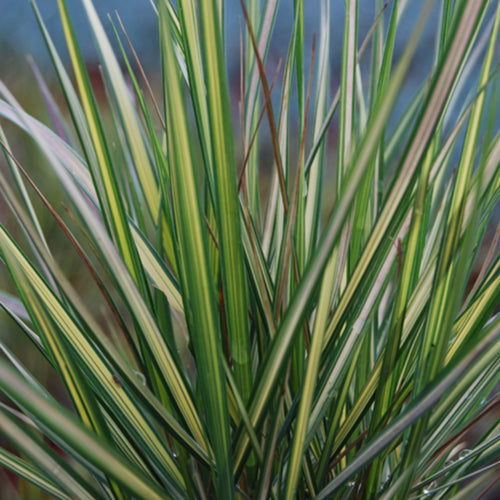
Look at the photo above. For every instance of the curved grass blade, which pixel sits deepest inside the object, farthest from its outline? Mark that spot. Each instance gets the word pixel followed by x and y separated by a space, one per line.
pixel 484 352
pixel 65 483
pixel 175 381
pixel 56 325
pixel 66 430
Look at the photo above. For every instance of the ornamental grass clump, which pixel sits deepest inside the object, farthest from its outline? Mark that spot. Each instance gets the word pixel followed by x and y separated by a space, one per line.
pixel 245 347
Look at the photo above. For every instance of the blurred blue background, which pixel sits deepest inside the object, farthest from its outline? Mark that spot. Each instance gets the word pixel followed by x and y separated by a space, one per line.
pixel 20 36
pixel 19 33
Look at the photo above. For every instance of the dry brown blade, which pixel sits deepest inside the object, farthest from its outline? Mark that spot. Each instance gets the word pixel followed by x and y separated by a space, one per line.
pixel 266 302
pixel 452 441
pixel 254 134
pixel 270 115
pixel 347 449
pixel 143 74
pixel 76 246
pixel 484 268
pixel 211 231
pixel 489 486
pixel 372 29
pixel 293 211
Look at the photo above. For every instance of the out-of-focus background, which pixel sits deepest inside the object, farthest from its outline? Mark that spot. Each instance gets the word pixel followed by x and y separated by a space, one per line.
pixel 19 33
